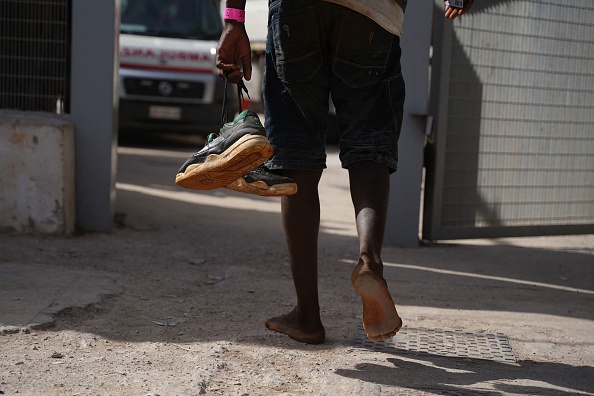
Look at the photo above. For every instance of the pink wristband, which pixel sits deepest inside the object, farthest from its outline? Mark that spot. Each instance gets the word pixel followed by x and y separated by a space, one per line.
pixel 235 14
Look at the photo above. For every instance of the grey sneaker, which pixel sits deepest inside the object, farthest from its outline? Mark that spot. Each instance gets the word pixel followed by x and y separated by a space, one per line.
pixel 260 181
pixel 240 146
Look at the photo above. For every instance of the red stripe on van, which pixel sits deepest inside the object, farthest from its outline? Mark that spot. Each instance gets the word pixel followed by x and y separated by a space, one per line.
pixel 166 68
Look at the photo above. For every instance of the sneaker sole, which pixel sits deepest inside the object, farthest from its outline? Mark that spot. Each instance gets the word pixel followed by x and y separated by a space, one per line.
pixel 262 189
pixel 219 170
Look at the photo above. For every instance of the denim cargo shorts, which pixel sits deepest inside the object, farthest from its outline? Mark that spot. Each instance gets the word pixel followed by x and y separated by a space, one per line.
pixel 315 49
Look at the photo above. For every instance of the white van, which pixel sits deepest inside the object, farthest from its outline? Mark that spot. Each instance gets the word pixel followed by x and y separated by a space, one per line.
pixel 168 78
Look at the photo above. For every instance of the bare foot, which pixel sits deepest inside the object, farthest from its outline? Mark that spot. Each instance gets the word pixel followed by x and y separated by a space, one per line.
pixel 288 324
pixel 380 319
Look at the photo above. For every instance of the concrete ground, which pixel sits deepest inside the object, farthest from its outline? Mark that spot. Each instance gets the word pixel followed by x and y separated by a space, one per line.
pixel 223 254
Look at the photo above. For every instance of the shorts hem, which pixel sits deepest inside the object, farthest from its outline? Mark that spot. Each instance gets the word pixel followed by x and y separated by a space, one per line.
pixel 392 166
pixel 272 165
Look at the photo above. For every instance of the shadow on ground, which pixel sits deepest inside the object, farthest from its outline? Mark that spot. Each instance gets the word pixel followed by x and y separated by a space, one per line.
pixel 452 376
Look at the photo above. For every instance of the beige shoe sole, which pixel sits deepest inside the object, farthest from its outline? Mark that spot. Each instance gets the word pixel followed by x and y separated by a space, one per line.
pixel 262 189
pixel 219 170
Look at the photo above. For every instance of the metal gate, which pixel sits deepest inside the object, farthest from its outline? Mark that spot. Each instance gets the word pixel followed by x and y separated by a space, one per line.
pixel 512 148
pixel 35 55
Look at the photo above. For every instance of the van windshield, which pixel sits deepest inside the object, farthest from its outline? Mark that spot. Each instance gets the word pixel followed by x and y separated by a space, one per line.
pixel 192 19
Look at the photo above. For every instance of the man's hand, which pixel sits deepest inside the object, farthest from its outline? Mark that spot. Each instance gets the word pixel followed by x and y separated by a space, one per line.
pixel 234 54
pixel 453 12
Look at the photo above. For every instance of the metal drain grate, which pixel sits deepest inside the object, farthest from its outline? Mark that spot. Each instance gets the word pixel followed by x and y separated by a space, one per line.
pixel 452 343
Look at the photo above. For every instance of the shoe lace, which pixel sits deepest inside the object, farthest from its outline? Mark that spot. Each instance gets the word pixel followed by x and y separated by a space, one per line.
pixel 225 112
pixel 240 87
pixel 211 137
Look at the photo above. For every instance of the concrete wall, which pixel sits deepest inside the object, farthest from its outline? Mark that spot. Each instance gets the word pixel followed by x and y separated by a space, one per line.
pixel 37 177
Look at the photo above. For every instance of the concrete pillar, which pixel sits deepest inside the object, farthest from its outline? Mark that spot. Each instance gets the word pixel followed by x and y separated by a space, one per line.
pixel 93 110
pixel 404 208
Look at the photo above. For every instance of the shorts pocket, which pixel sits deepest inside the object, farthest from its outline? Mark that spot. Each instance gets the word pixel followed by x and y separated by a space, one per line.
pixel 363 51
pixel 296 44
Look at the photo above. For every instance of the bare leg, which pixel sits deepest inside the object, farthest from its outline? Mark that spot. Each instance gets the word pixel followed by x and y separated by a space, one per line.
pixel 301 221
pixel 370 183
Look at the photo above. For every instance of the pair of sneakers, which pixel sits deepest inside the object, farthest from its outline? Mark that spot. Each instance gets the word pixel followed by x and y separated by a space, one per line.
pixel 234 159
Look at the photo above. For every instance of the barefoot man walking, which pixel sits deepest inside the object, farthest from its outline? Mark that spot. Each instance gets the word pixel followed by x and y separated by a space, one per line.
pixel 349 49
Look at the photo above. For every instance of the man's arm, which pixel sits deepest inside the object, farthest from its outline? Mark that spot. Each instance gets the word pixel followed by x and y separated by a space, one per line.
pixel 234 54
pixel 454 12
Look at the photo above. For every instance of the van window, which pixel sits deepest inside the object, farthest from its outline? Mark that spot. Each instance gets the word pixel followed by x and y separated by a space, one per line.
pixel 192 19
